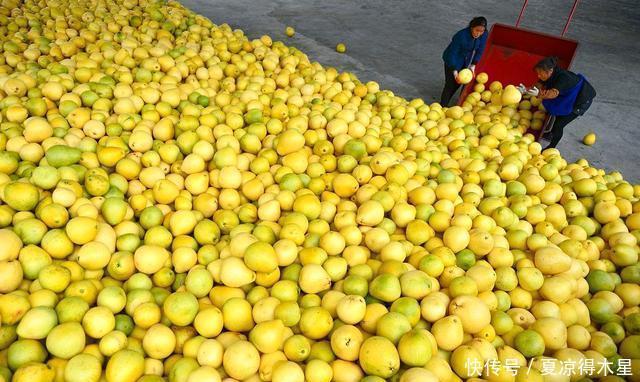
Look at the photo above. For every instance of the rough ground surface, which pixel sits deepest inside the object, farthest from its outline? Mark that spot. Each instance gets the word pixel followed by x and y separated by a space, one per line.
pixel 399 44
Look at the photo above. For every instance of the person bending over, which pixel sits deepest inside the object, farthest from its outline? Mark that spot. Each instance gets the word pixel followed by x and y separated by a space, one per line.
pixel 565 95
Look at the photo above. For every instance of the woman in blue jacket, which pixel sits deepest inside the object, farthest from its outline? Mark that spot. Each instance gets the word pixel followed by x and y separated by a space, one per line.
pixel 464 51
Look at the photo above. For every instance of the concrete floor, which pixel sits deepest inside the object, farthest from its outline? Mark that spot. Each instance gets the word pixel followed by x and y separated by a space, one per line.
pixel 399 44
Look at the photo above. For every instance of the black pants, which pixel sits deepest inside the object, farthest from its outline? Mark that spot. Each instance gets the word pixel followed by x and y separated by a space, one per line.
pixel 450 86
pixel 555 135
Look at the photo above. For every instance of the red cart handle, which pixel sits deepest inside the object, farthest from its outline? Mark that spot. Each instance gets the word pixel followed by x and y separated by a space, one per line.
pixel 566 25
pixel 573 10
pixel 524 6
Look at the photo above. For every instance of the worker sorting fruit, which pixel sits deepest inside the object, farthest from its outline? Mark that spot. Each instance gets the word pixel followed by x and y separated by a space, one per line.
pixel 464 52
pixel 565 95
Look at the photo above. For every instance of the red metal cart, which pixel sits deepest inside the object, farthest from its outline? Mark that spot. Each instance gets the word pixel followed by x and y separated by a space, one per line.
pixel 511 52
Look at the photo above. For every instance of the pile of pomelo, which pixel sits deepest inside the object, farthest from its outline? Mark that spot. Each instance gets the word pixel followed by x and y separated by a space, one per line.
pixel 180 202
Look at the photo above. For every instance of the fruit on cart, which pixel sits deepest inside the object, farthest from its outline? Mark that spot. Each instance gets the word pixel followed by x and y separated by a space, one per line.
pixel 511 95
pixel 482 78
pixel 341 48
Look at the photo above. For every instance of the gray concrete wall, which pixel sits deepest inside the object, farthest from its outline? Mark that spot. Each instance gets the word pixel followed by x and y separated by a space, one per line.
pixel 399 44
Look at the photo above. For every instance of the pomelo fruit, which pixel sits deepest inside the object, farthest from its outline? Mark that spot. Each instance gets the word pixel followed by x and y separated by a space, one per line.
pixel 465 76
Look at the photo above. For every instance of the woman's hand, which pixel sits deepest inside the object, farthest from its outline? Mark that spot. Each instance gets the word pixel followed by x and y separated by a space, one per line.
pixel 455 75
pixel 549 93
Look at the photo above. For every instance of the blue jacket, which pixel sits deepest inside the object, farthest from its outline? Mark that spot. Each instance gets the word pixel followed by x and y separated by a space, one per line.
pixel 460 52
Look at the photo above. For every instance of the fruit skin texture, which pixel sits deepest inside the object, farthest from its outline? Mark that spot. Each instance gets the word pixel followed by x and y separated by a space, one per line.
pixel 511 95
pixel 12 275
pixel 456 238
pixel 462 357
pixel 551 261
pixel 472 311
pixel 417 374
pixel 346 342
pixel 21 196
pixel 34 372
pixel 181 308
pixel 10 245
pixel 267 336
pixel 241 360
pixel 553 331
pixel 529 343
pixel 159 341
pixel 125 366
pixel 482 78
pixel 415 348
pixel 66 340
pixel 83 367
pixel 448 332
pixel 60 155
pixel 37 323
pixel 378 356
pixel 386 287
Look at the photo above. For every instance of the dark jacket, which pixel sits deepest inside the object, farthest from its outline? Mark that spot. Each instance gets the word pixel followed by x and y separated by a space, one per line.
pixel 563 80
pixel 460 52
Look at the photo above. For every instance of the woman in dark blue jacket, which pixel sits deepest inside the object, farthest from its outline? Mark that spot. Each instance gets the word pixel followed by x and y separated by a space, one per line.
pixel 565 95
pixel 464 51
